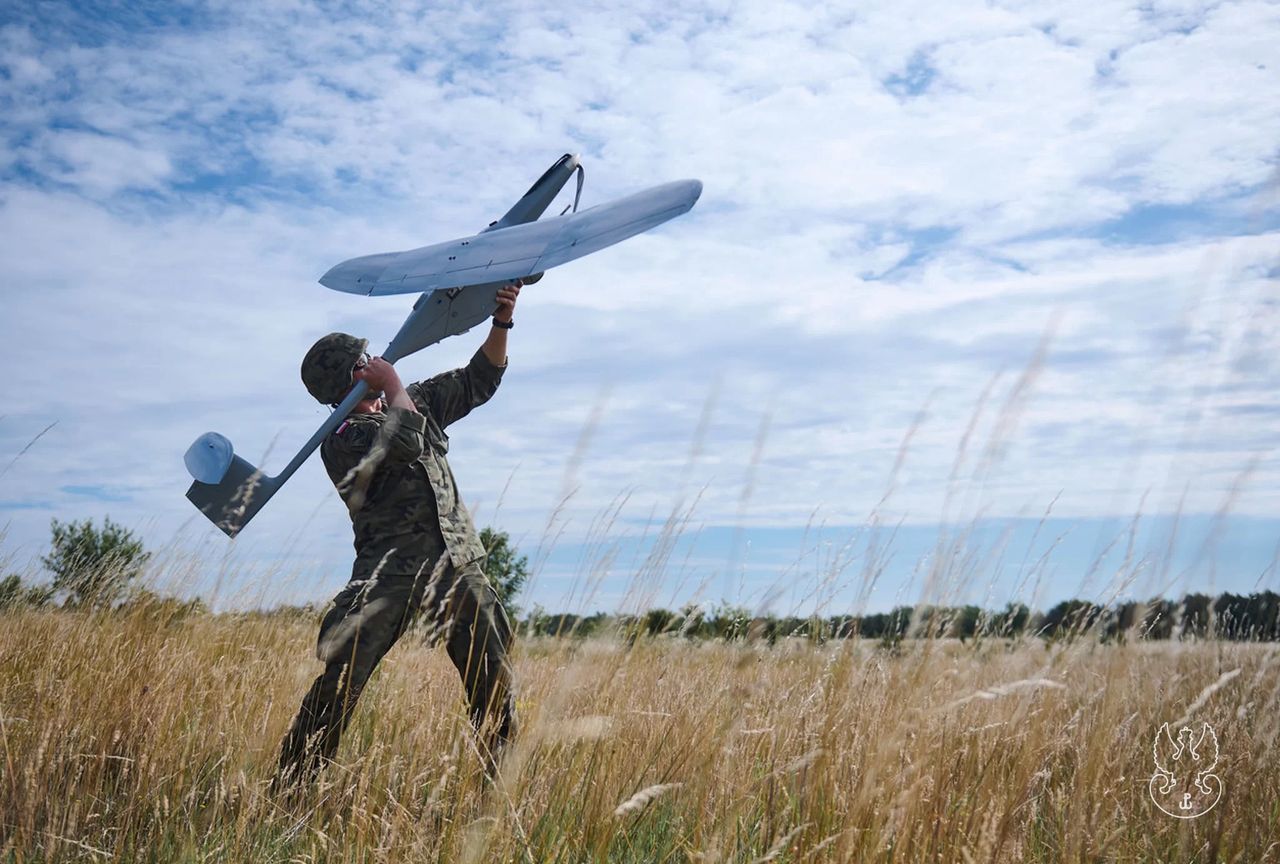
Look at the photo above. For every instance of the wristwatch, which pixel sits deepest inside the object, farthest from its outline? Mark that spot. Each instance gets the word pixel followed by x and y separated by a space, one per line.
pixel 504 325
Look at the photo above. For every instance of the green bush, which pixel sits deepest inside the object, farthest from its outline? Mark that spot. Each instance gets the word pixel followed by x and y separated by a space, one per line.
pixel 506 570
pixel 93 566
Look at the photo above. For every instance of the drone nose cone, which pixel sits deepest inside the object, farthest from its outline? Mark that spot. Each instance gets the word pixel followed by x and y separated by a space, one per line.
pixel 358 275
pixel 347 277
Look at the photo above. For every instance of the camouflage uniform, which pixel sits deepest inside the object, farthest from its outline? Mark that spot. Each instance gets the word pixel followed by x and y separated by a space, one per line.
pixel 416 551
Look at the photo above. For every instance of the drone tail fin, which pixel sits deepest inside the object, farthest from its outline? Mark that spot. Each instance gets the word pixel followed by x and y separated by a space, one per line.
pixel 543 191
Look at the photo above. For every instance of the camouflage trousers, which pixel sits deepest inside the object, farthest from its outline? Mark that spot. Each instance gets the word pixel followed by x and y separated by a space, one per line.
pixel 365 620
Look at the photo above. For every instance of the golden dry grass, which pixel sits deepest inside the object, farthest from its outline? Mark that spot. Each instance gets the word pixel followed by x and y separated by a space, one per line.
pixel 131 738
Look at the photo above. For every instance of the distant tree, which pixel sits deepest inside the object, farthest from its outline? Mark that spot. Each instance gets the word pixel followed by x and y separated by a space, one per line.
pixel 506 570
pixel 898 621
pixel 535 623
pixel 93 566
pixel 926 621
pixel 872 626
pixel 627 627
pixel 843 626
pixel 1232 612
pixel 762 627
pixel 1010 621
pixel 1264 611
pixel 812 627
pixel 1115 622
pixel 889 627
pixel 693 621
pixel 965 622
pixel 1196 612
pixel 1159 619
pixel 657 621
pixel 1071 618
pixel 1131 619
pixel 729 622
pixel 592 624
pixel 565 624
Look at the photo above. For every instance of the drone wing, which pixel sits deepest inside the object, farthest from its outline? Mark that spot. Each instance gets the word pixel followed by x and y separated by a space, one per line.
pixel 506 254
pixel 440 314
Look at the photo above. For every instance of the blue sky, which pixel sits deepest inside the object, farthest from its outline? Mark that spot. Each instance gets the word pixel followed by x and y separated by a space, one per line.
pixel 957 266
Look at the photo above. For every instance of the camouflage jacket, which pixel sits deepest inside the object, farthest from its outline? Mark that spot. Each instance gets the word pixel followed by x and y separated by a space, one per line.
pixel 391 471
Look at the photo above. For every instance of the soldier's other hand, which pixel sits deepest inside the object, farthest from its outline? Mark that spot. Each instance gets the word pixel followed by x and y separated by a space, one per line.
pixel 507 301
pixel 380 375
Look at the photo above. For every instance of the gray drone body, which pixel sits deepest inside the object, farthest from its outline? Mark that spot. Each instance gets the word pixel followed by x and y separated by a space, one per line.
pixel 458 282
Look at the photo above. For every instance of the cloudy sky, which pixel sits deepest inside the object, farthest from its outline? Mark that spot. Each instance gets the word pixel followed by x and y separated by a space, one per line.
pixel 980 299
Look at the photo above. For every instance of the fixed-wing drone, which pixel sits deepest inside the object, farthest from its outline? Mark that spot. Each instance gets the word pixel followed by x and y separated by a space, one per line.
pixel 458 282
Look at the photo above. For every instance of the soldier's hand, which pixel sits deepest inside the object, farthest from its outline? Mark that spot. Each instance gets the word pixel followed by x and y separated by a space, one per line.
pixel 507 301
pixel 380 375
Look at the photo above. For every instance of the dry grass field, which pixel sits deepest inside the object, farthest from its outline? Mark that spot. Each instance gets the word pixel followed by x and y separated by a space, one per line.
pixel 129 737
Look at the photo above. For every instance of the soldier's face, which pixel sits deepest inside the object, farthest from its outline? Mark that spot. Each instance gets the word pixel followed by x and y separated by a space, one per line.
pixel 373 402
pixel 369 406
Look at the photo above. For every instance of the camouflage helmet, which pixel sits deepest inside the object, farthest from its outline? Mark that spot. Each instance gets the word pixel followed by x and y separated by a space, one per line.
pixel 327 368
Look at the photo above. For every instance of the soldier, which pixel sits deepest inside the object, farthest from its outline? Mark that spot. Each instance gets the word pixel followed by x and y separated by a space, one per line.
pixel 416 549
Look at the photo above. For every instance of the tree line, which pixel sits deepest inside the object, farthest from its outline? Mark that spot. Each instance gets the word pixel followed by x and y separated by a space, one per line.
pixel 100 567
pixel 1252 617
